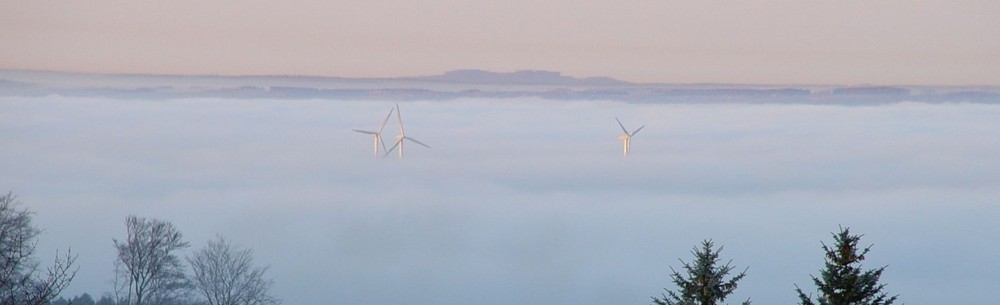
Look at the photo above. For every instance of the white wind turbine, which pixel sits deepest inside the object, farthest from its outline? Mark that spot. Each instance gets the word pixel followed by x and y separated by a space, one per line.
pixel 627 137
pixel 401 136
pixel 378 134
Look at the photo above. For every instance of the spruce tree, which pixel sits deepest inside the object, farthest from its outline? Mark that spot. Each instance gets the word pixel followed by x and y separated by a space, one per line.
pixel 842 281
pixel 704 282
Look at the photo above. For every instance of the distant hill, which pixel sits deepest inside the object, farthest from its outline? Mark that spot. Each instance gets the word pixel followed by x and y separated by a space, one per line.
pixel 523 77
pixel 464 84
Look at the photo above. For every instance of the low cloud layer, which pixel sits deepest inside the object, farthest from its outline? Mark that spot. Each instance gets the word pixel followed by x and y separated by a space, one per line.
pixel 518 201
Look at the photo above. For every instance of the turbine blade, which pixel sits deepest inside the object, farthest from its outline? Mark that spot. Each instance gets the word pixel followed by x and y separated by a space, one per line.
pixel 385 121
pixel 622 126
pixel 400 117
pixel 365 131
pixel 387 152
pixel 379 136
pixel 637 130
pixel 415 141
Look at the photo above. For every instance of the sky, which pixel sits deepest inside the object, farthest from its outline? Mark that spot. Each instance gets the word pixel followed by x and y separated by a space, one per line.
pixel 524 201
pixel 761 42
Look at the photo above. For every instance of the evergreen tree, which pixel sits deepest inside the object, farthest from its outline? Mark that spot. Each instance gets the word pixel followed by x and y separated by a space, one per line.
pixel 84 299
pixel 842 281
pixel 105 300
pixel 59 301
pixel 704 283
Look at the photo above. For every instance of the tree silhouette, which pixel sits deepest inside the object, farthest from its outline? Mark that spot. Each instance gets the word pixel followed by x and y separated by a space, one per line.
pixel 148 270
pixel 704 282
pixel 227 276
pixel 20 279
pixel 842 281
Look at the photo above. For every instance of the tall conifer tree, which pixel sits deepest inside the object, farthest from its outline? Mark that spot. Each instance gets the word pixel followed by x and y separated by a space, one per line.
pixel 704 282
pixel 842 281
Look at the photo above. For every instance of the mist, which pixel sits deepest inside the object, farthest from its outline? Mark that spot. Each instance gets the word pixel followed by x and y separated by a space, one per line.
pixel 526 201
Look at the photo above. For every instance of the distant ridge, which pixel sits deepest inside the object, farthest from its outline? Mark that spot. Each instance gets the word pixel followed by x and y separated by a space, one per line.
pixel 464 76
pixel 523 77
pixel 464 84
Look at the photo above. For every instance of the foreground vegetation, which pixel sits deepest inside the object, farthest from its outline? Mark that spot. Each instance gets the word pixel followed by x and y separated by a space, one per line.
pixel 149 271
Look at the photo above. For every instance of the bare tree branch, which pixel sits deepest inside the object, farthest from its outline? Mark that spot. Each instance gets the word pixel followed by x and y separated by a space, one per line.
pixel 148 271
pixel 226 276
pixel 20 282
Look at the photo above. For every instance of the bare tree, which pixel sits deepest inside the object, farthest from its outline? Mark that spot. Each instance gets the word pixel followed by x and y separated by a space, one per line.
pixel 147 270
pixel 226 276
pixel 20 283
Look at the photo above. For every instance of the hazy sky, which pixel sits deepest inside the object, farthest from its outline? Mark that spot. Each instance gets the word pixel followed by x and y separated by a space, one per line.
pixel 845 42
pixel 523 202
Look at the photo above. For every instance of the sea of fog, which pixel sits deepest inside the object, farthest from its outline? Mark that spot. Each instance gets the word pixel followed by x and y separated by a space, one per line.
pixel 518 202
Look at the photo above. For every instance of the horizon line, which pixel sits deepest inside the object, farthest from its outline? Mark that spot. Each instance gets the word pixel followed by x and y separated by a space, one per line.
pixel 423 78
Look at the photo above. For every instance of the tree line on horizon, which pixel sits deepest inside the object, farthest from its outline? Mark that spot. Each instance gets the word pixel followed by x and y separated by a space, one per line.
pixel 148 271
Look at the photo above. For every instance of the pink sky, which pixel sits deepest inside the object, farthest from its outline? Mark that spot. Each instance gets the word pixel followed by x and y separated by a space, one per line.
pixel 787 42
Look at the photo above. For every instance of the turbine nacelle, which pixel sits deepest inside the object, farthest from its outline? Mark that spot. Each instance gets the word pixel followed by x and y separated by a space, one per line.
pixel 627 137
pixel 401 137
pixel 378 134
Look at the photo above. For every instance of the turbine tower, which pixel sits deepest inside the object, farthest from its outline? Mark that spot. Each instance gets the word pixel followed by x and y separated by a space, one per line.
pixel 627 137
pixel 378 134
pixel 401 136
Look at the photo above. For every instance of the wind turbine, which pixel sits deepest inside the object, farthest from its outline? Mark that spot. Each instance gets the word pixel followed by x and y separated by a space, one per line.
pixel 627 137
pixel 401 136
pixel 378 134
